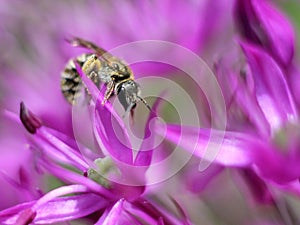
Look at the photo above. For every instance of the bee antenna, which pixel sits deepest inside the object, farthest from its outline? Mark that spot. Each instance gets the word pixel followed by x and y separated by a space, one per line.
pixel 72 40
pixel 145 103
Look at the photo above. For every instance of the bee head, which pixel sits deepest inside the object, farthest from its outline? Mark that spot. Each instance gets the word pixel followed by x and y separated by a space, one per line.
pixel 128 94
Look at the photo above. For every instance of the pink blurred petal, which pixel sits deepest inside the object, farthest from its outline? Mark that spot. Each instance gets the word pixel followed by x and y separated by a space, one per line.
pixel 277 28
pixel 258 188
pixel 144 156
pixel 271 156
pixel 59 209
pixel 13 211
pixel 264 25
pixel 113 216
pixel 181 211
pixel 25 217
pixel 160 221
pixel 197 181
pixel 272 91
pixel 69 208
pixel 238 93
pixel 232 148
pixel 294 81
pixel 17 163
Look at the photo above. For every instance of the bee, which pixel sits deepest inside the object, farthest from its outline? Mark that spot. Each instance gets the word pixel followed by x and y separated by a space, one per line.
pixel 101 67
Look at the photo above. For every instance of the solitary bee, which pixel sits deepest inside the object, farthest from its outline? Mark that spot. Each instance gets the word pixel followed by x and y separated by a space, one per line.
pixel 101 67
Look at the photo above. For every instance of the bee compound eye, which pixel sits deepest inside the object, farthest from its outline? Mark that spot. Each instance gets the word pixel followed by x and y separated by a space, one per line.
pixel 124 98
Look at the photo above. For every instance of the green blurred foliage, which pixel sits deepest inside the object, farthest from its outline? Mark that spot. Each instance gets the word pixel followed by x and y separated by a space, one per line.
pixel 292 9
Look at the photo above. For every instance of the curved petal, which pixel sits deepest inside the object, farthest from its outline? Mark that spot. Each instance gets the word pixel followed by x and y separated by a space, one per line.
pixel 59 209
pixel 262 24
pixel 111 137
pixel 113 216
pixel 233 148
pixel 277 28
pixel 19 178
pixel 277 166
pixel 259 190
pixel 10 213
pixel 160 221
pixel 197 181
pixel 109 128
pixel 69 208
pixel 238 92
pixel 73 177
pixel 271 89
pixel 144 156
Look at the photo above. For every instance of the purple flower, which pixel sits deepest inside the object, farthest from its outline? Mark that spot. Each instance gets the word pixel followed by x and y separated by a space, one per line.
pixel 262 24
pixel 34 53
pixel 98 185
pixel 263 123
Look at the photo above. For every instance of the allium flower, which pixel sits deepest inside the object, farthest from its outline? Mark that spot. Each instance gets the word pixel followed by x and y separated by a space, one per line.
pixel 262 136
pixel 89 147
pixel 35 54
pixel 19 180
pixel 51 147
pixel 121 202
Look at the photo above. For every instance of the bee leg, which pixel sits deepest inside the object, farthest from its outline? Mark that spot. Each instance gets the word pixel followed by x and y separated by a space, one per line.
pixel 109 90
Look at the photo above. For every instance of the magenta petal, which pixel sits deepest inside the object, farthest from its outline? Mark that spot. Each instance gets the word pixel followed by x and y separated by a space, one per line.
pixel 237 92
pixel 73 177
pixel 291 187
pixel 294 81
pixel 233 147
pixel 69 208
pixel 197 181
pixel 262 24
pixel 113 216
pixel 111 137
pixel 272 91
pixel 274 159
pixel 25 217
pixel 64 208
pixel 278 30
pixel 160 221
pixel 258 188
pixel 7 214
pixel 109 128
pixel 144 155
pixel 58 150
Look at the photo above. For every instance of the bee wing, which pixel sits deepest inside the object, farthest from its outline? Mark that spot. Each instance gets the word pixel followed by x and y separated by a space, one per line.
pixel 76 41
